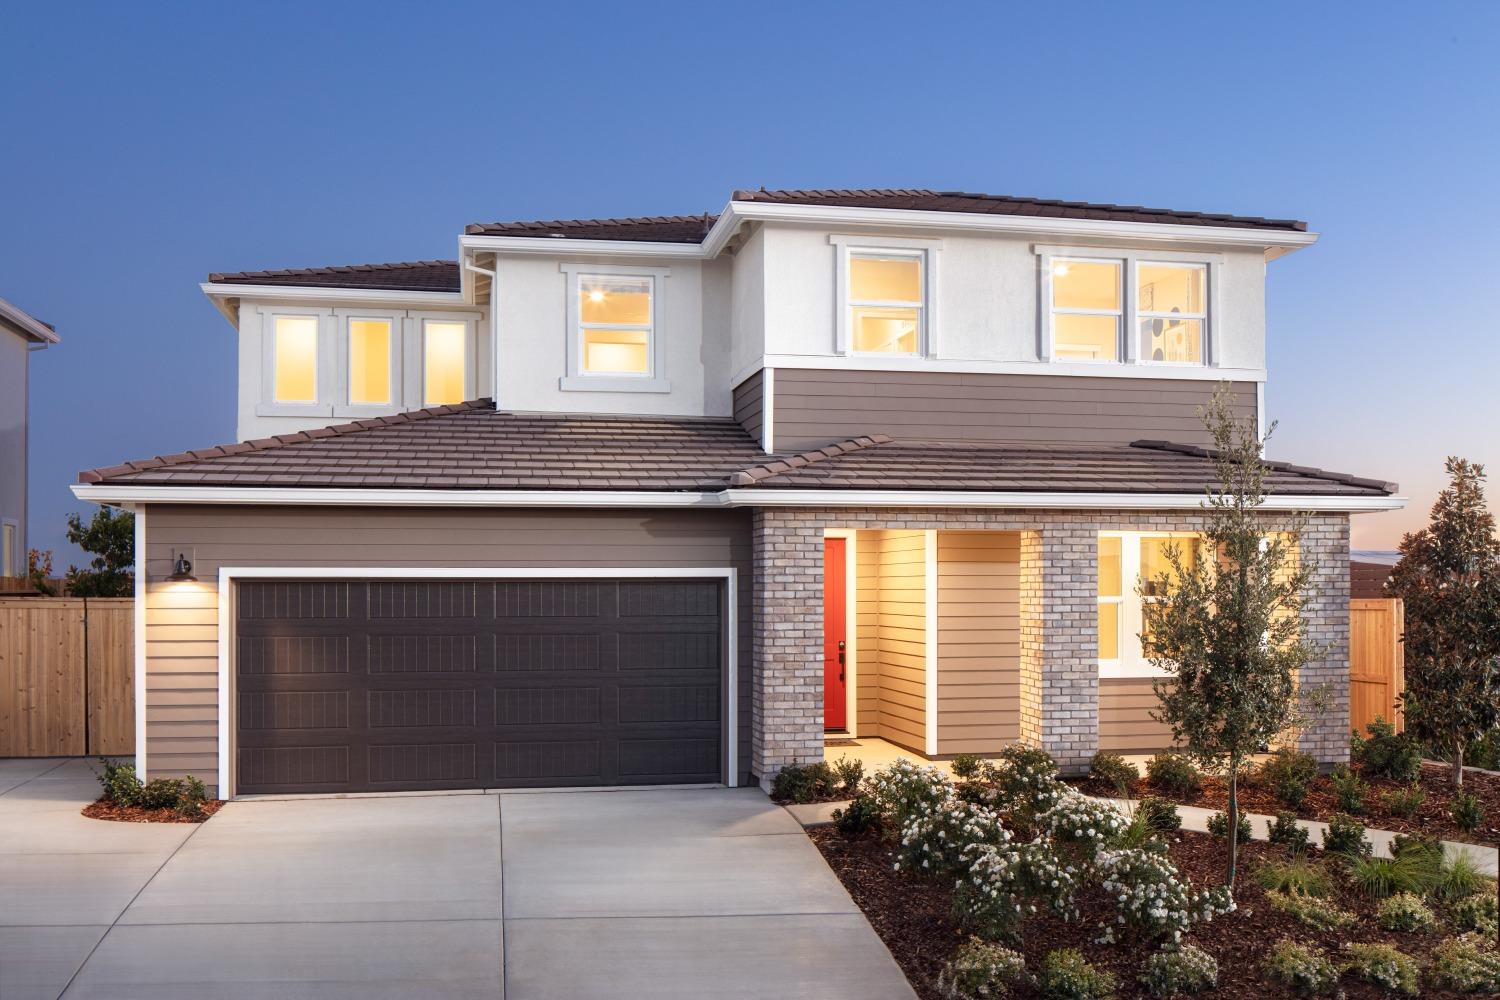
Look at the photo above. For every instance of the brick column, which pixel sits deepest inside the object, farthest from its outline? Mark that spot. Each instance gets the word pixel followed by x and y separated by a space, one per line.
pixel 1059 641
pixel 786 708
pixel 1326 542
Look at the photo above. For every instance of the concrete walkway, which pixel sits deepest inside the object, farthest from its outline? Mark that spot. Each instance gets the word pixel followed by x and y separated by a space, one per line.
pixel 659 893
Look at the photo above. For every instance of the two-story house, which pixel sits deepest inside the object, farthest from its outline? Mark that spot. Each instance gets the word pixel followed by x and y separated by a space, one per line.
pixel 20 334
pixel 648 500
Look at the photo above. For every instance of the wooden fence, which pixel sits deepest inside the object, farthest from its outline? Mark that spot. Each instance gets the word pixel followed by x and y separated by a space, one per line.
pixel 1377 666
pixel 67 676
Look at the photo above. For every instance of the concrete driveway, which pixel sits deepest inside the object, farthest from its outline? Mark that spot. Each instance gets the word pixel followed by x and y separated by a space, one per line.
pixel 663 893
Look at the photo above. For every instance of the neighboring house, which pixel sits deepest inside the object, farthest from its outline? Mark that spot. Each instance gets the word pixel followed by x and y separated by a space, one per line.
pixel 1368 571
pixel 20 334
pixel 665 499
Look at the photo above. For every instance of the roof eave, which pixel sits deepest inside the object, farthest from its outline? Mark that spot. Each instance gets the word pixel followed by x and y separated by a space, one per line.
pixel 27 325
pixel 225 295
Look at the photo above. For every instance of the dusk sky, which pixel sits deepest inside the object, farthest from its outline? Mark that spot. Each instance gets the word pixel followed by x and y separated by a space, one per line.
pixel 146 145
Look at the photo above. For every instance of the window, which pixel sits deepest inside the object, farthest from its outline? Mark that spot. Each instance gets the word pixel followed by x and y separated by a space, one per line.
pixel 615 320
pixel 10 545
pixel 1128 560
pixel 885 302
pixel 296 359
pixel 1086 309
pixel 370 362
pixel 445 355
pixel 1170 312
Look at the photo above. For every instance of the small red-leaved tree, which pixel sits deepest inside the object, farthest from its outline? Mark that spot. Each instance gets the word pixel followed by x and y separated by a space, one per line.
pixel 1225 625
pixel 1449 578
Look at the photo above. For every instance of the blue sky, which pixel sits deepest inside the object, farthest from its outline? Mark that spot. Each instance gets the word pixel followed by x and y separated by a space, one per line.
pixel 147 145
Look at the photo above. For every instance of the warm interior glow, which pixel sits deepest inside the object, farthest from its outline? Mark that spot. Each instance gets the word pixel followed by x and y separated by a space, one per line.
pixel 885 279
pixel 885 303
pixel 296 347
pixel 614 300
pixel 1085 337
pixel 443 362
pixel 616 352
pixel 1154 560
pixel 1109 630
pixel 1086 284
pixel 369 361
pixel 1172 296
pixel 1110 551
pixel 1110 594
pixel 883 330
pixel 1086 310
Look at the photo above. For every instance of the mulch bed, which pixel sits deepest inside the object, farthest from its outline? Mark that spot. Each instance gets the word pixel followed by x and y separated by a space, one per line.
pixel 1434 818
pixel 105 809
pixel 913 916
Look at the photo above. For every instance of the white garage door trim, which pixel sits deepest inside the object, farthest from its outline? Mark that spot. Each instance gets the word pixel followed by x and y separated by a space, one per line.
pixel 229 574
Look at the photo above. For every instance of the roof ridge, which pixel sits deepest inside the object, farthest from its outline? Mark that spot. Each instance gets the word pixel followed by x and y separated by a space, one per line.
pixel 282 440
pixel 754 474
pixel 219 276
pixel 1305 471
pixel 478 228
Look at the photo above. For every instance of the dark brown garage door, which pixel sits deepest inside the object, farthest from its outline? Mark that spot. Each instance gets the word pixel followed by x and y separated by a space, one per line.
pixel 389 685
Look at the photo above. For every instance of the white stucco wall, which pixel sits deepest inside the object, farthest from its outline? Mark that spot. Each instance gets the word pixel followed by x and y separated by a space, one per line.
pixel 14 358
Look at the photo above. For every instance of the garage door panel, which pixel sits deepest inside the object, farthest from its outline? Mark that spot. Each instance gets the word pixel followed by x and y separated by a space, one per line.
pixel 517 694
pixel 314 600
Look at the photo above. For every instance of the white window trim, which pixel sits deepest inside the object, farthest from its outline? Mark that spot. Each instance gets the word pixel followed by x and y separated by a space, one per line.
pixel 343 319
pixel 325 377
pixel 578 380
pixel 415 366
pixel 1132 662
pixel 1202 317
pixel 926 251
pixel 1119 314
pixel 1130 260
pixel 18 553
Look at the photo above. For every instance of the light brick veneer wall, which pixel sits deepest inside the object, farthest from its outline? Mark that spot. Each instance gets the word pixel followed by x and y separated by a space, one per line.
pixel 1059 624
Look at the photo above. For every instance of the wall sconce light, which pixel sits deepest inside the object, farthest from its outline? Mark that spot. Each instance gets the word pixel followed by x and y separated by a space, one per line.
pixel 182 571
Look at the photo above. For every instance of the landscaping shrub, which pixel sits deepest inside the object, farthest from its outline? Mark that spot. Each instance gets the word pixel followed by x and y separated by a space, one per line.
pixel 1350 789
pixel 1345 835
pixel 1298 877
pixel 160 793
pixel 1289 774
pixel 1382 877
pixel 1173 774
pixel 980 970
pixel 900 788
pixel 1468 964
pixel 1319 914
pixel 965 766
pixel 1461 877
pixel 1160 815
pixel 1152 897
pixel 1025 785
pixel 937 836
pixel 1479 913
pixel 1287 832
pixel 186 796
pixel 1083 824
pixel 1404 802
pixel 848 773
pixel 1174 972
pixel 1468 812
pixel 1114 770
pixel 1010 881
pixel 192 795
pixel 1067 975
pixel 1306 971
pixel 1384 966
pixel 859 815
pixel 120 783
pixel 1385 753
pixel 1218 827
pixel 1405 911
pixel 803 782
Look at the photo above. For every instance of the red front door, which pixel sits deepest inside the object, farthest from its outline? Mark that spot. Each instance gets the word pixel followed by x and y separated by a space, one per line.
pixel 834 639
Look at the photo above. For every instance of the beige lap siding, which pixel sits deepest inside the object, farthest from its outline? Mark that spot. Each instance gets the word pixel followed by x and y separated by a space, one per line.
pixel 182 724
pixel 867 629
pixel 979 641
pixel 902 633
pixel 1125 723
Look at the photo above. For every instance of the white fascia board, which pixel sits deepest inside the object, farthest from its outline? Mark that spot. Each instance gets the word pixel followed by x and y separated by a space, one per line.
pixel 1183 373
pixel 27 325
pixel 1066 501
pixel 443 300
pixel 326 497
pixel 543 246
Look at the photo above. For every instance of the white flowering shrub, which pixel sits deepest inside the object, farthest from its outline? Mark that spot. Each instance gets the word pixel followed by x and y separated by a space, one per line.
pixel 1173 971
pixel 981 970
pixel 900 789
pixel 1405 911
pixel 1152 898
pixel 938 837
pixel 1011 881
pixel 1081 822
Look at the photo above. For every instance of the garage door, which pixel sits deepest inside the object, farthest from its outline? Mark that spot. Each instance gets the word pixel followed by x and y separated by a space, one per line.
pixel 391 685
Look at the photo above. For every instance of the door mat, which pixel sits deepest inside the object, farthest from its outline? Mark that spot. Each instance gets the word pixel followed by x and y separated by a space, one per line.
pixel 841 743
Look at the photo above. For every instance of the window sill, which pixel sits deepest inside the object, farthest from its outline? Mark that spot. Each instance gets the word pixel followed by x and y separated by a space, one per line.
pixel 613 383
pixel 1131 671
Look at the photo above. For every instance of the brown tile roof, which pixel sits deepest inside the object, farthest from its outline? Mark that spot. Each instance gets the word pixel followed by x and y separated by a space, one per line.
pixel 410 276
pixel 1003 204
pixel 652 229
pixel 471 446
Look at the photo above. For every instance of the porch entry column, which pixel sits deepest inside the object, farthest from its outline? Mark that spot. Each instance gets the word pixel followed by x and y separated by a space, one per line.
pixel 786 705
pixel 1060 641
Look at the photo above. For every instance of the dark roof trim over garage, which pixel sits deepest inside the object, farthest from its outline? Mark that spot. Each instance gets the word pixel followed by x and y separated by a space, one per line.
pixel 472 451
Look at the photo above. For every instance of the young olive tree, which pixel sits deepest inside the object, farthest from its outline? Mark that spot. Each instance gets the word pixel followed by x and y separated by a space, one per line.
pixel 1449 578
pixel 1224 620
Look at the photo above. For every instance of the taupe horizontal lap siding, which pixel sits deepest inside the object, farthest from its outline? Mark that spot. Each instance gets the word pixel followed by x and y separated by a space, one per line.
pixel 902 635
pixel 815 407
pixel 979 641
pixel 747 403
pixel 182 619
pixel 1125 723
pixel 867 621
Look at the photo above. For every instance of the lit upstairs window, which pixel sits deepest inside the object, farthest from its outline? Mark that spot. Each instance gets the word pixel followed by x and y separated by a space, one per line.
pixel 615 324
pixel 1087 309
pixel 370 362
pixel 885 303
pixel 296 359
pixel 445 351
pixel 1171 311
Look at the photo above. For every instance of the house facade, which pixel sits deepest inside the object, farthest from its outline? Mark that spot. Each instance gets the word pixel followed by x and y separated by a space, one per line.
pixel 20 335
pixel 668 499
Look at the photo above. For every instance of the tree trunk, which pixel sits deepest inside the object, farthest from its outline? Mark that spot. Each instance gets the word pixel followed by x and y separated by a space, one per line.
pixel 1458 765
pixel 1234 820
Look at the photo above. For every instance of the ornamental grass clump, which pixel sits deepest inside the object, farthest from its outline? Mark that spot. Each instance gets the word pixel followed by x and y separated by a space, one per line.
pixel 1384 966
pixel 1182 971
pixel 1303 970
pixel 981 970
pixel 1300 876
pixel 1460 877
pixel 1152 898
pixel 1067 975
pixel 1383 877
pixel 1319 914
pixel 1468 964
pixel 1405 911
pixel 1160 815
